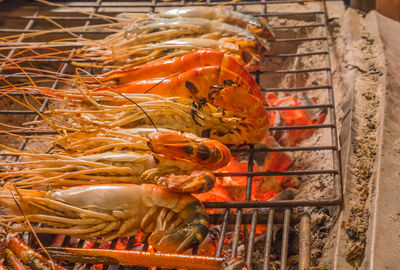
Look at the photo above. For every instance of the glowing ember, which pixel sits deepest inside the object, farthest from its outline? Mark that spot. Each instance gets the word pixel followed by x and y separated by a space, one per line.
pixel 299 117
pixel 233 188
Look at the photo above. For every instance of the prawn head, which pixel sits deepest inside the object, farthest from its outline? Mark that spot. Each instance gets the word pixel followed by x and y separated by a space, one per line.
pixel 209 153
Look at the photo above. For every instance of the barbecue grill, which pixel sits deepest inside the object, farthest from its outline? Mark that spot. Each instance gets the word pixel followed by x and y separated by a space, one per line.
pixel 27 19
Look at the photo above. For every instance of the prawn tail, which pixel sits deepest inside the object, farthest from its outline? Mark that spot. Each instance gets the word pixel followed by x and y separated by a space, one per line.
pixel 179 240
pixel 250 58
pixel 268 32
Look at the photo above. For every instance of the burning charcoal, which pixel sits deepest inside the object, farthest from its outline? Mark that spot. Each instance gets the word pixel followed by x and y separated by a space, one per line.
pixel 293 246
pixel 236 265
pixel 314 114
pixel 298 117
pixel 290 182
pixel 287 194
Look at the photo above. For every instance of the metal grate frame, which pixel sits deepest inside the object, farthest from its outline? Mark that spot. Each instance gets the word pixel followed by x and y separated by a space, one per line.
pixel 275 210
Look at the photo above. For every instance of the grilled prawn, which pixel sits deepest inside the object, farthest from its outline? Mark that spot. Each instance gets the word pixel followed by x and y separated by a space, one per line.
pixel 174 161
pixel 204 75
pixel 258 26
pixel 205 67
pixel 169 143
pixel 143 53
pixel 144 38
pixel 105 212
pixel 105 109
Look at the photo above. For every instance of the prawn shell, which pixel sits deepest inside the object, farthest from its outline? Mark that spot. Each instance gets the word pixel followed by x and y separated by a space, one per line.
pixel 155 196
pixel 99 197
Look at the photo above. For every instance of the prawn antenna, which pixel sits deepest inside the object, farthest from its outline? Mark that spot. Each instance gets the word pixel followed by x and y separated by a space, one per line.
pixel 228 3
pixel 148 116
pixel 172 75
pixel 122 95
pixel 105 17
pixel 30 225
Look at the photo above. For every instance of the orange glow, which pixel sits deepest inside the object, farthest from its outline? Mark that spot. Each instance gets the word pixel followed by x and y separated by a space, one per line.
pixel 233 188
pixel 292 118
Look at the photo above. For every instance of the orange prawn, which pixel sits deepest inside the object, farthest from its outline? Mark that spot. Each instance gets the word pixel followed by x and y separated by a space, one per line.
pixel 216 67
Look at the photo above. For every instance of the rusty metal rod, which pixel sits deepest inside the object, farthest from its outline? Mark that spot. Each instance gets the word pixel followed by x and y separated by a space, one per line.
pixel 236 234
pixel 249 182
pixel 295 54
pixel 134 4
pixel 285 239
pixel 296 89
pixel 250 245
pixel 304 241
pixel 268 239
pixel 130 257
pixel 51 132
pixel 223 232
pixel 283 108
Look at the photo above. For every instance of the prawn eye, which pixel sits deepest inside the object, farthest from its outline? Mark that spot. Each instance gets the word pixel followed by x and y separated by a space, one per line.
pixel 203 152
pixel 191 87
pixel 206 133
pixel 228 82
pixel 188 149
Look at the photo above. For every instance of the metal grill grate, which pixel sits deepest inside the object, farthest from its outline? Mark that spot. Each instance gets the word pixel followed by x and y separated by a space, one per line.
pixel 29 19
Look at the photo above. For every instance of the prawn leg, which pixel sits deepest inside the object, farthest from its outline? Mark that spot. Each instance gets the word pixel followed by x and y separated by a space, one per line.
pixel 30 257
pixel 177 180
pixel 12 260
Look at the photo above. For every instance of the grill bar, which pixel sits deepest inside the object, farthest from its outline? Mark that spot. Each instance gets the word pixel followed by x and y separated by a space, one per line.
pixel 249 177
pixel 157 4
pixel 250 245
pixel 335 154
pixel 305 241
pixel 21 75
pixel 223 233
pixel 283 108
pixel 297 89
pixel 281 55
pixel 105 32
pixel 268 240
pixel 89 60
pixel 49 132
pixel 285 239
pixel 266 204
pixel 236 233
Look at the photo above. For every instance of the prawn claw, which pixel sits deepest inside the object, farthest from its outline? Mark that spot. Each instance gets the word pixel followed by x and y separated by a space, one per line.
pixel 196 182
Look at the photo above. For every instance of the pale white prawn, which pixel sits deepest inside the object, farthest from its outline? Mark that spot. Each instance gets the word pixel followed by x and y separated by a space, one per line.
pixel 105 212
